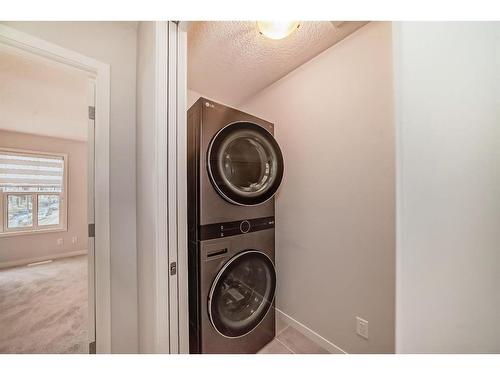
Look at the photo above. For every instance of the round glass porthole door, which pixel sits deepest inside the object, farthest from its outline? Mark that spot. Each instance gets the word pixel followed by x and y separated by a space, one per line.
pixel 245 163
pixel 242 293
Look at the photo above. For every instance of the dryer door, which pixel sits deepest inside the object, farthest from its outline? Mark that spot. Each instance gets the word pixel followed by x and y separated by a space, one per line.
pixel 242 293
pixel 245 164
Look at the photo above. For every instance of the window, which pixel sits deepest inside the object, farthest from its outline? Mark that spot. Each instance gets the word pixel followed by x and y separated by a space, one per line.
pixel 32 192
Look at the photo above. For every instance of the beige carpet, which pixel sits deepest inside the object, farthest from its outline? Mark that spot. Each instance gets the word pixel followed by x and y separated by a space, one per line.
pixel 43 309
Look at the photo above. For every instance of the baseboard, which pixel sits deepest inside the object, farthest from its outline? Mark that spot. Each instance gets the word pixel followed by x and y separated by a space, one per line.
pixel 309 333
pixel 23 262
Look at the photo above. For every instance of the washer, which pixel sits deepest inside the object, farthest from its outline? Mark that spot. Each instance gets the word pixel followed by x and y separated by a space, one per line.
pixel 235 167
pixel 235 301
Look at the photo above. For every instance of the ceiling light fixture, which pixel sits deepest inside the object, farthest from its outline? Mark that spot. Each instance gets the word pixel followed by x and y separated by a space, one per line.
pixel 277 29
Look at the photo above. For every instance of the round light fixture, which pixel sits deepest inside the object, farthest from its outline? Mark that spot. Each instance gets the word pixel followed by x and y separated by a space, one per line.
pixel 277 29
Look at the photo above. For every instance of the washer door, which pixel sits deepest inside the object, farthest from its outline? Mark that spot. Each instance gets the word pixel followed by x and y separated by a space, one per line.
pixel 242 293
pixel 245 164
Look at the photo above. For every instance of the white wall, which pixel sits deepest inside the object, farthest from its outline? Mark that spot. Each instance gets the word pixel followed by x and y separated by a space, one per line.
pixel 448 104
pixel 335 224
pixel 39 96
pixel 113 43
pixel 146 196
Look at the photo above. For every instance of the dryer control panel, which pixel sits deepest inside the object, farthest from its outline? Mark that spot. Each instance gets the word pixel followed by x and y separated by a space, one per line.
pixel 233 228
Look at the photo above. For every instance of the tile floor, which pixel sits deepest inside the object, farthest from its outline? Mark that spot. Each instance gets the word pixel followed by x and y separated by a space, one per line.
pixel 290 341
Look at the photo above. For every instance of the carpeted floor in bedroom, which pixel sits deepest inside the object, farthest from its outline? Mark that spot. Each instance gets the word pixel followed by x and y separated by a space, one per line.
pixel 43 308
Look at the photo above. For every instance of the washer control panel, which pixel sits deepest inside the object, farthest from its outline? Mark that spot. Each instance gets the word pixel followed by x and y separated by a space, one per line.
pixel 233 228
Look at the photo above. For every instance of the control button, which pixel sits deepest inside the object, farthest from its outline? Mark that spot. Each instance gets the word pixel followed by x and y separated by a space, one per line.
pixel 244 226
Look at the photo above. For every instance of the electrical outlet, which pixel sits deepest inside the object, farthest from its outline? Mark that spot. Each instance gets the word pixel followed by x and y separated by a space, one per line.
pixel 74 239
pixel 362 327
pixel 60 241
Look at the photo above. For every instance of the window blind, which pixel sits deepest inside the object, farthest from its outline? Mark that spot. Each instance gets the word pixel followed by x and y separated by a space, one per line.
pixel 30 172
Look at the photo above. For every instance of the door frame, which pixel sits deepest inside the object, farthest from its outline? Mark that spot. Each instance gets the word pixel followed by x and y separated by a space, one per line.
pixel 181 184
pixel 181 29
pixel 171 285
pixel 101 73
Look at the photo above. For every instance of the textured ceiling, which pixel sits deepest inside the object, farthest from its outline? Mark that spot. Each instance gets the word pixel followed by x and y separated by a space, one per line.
pixel 231 61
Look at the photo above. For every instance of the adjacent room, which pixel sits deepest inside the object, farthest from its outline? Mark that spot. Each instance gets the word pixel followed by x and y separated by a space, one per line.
pixel 325 90
pixel 384 228
pixel 44 280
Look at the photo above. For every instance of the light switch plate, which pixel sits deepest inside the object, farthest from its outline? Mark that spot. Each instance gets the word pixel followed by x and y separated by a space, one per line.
pixel 362 327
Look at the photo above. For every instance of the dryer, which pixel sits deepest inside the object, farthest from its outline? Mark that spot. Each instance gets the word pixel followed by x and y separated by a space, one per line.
pixel 235 167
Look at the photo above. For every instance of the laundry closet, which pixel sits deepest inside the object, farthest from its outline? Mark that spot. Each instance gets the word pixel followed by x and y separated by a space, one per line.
pixel 324 94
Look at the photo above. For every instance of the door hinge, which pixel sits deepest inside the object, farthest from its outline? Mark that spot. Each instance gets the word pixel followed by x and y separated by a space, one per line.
pixel 91 112
pixel 92 230
pixel 92 348
pixel 173 268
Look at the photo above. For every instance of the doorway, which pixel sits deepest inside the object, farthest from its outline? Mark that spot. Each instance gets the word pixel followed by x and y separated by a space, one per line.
pixel 308 85
pixel 55 199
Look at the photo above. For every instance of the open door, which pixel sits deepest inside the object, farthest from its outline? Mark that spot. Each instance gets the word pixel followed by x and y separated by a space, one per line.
pixel 91 216
pixel 162 203
pixel 177 187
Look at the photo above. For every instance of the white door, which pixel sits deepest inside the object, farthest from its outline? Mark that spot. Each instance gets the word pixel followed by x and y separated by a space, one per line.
pixel 91 217
pixel 177 185
pixel 162 245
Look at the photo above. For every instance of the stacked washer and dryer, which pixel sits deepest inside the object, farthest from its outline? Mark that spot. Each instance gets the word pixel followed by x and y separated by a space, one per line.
pixel 235 167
